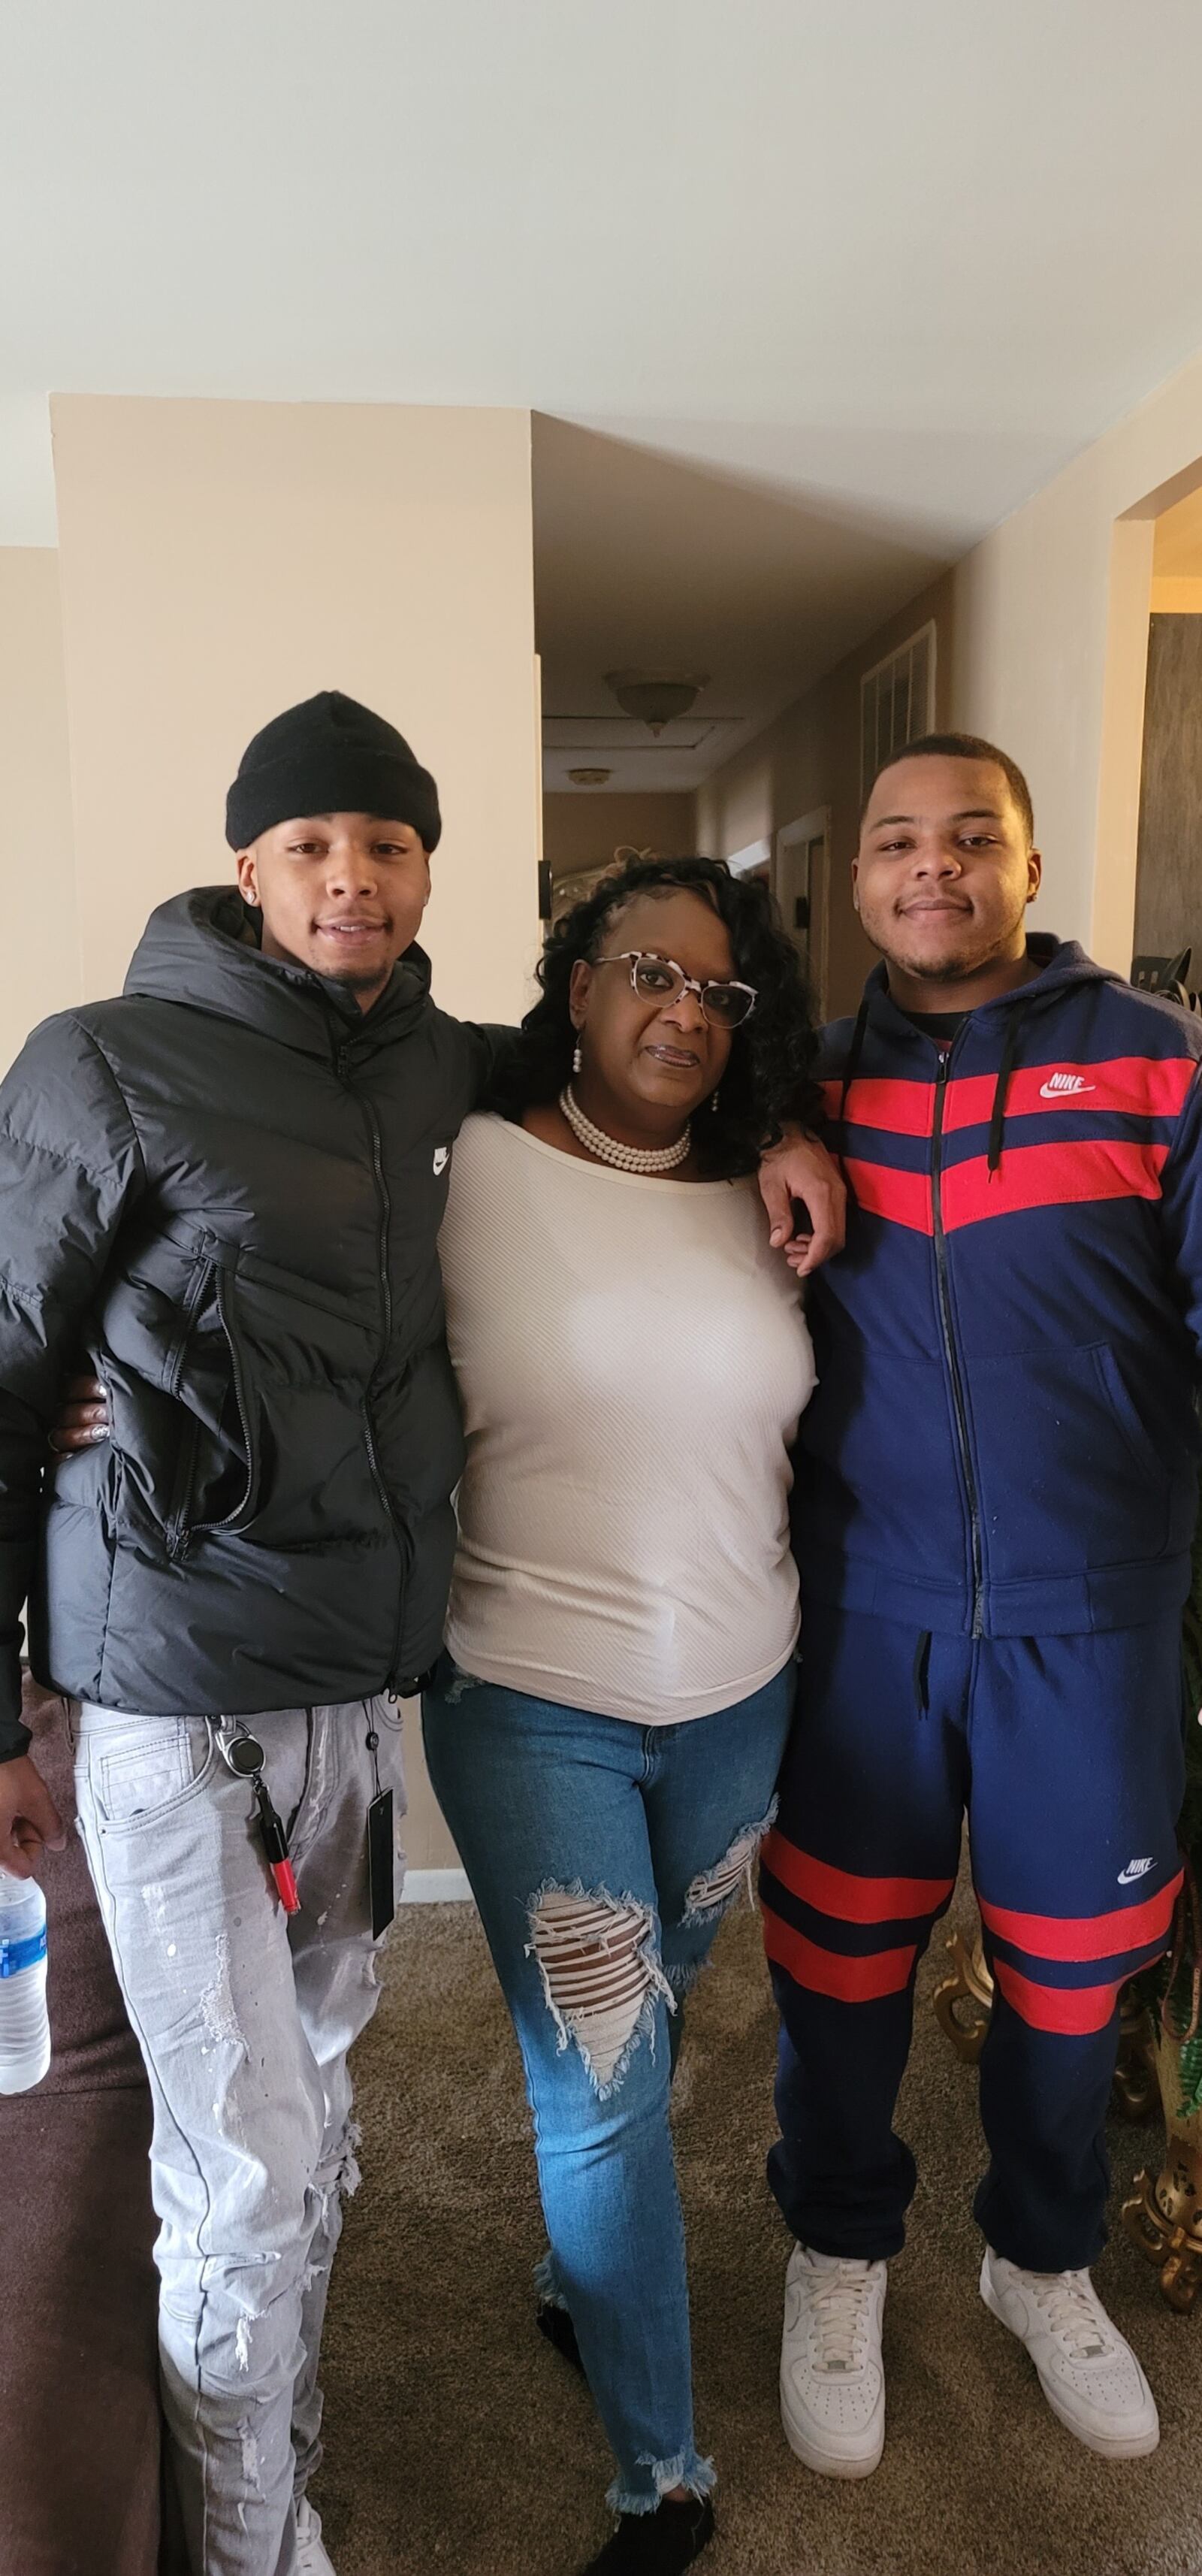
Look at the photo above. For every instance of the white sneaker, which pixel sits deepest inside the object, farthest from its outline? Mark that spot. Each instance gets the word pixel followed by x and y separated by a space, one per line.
pixel 311 2557
pixel 1089 2375
pixel 832 2378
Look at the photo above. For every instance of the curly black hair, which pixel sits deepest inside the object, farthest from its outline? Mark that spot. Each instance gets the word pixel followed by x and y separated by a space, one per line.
pixel 769 1078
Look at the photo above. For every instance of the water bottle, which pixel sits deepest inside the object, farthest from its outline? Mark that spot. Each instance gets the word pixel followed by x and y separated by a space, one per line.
pixel 24 2021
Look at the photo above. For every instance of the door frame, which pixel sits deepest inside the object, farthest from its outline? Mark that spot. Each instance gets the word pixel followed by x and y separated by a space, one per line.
pixel 814 826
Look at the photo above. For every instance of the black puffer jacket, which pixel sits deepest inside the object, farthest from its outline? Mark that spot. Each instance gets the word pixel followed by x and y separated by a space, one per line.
pixel 226 1188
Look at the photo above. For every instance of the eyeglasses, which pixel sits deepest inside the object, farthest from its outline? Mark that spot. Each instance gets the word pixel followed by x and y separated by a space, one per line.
pixel 660 979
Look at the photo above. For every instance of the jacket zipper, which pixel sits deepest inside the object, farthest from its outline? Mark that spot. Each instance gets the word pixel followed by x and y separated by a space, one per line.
pixel 342 1068
pixel 950 1352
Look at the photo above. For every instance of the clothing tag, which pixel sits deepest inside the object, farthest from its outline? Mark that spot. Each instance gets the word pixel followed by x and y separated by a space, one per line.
pixel 381 1848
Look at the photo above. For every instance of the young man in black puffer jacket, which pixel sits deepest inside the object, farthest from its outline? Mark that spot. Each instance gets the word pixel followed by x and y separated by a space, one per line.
pixel 226 1186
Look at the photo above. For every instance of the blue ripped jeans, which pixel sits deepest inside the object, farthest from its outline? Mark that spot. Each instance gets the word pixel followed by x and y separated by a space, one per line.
pixel 602 1855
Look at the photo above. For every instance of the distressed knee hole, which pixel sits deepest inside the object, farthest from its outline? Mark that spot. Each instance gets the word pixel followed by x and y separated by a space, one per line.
pixel 338 2176
pixel 601 1976
pixel 714 1889
pixel 248 2352
pixel 248 2442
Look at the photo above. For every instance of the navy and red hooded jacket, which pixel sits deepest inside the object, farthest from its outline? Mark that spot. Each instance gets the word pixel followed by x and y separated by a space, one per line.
pixel 1003 1438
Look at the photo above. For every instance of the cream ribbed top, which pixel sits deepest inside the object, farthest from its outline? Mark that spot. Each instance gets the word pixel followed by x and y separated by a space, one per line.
pixel 632 1360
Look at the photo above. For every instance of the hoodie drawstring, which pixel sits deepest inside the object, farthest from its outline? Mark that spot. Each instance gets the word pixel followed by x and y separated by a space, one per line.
pixel 997 1121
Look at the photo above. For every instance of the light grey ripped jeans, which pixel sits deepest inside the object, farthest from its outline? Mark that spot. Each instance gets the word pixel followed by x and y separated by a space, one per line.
pixel 244 2017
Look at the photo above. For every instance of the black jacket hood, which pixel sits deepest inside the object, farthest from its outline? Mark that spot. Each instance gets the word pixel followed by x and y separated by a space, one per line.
pixel 202 950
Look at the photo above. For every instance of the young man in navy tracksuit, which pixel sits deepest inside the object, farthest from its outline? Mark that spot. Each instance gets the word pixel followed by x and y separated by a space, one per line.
pixel 995 1500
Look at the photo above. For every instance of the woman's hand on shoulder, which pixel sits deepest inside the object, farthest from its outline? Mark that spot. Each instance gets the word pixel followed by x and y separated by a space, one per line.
pixel 800 1168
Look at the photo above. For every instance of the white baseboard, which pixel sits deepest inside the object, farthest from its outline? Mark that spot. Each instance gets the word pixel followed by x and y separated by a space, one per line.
pixel 436 1887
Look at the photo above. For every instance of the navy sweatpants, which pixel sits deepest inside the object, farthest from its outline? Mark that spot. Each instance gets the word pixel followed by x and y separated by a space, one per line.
pixel 1066 1753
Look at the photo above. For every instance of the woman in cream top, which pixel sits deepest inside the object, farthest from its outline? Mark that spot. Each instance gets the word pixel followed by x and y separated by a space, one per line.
pixel 605 1729
pixel 632 1364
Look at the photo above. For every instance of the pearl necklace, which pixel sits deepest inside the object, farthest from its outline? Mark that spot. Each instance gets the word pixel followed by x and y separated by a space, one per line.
pixel 606 1149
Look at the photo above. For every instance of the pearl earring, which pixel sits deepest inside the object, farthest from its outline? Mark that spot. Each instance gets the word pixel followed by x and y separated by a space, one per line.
pixel 577 1059
pixel 714 1102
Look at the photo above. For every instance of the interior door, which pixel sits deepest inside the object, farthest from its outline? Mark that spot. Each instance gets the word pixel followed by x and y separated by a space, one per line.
pixel 800 879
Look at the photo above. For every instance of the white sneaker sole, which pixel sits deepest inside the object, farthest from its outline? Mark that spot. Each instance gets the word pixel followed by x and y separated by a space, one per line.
pixel 1117 2446
pixel 826 2463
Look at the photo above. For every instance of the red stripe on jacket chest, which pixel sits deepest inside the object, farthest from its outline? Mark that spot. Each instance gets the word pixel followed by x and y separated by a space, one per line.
pixel 1131 1086
pixel 1028 1176
pixel 1074 1171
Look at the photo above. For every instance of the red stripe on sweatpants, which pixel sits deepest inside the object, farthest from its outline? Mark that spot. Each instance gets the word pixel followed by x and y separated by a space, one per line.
pixel 1072 2012
pixel 1085 1936
pixel 847 1894
pixel 1064 1175
pixel 903 1197
pixel 829 1972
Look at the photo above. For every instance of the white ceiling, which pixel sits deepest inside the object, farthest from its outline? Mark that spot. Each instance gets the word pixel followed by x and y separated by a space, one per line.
pixel 872 273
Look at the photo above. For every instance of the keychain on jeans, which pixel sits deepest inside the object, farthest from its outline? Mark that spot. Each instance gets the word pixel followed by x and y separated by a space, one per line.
pixel 243 1754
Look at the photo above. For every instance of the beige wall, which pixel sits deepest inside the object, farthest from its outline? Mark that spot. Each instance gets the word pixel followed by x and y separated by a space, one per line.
pixel 1176 595
pixel 221 560
pixel 1177 551
pixel 583 830
pixel 39 948
pixel 1051 630
pixel 810 757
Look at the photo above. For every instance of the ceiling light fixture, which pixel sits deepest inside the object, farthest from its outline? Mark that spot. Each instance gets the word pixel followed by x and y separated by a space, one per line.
pixel 656 697
pixel 589 777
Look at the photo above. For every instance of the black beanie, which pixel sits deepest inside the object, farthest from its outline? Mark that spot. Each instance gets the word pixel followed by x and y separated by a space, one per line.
pixel 329 756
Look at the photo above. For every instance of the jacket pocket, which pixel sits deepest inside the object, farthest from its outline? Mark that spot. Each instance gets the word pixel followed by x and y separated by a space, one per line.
pixel 1146 1459
pixel 182 1452
pixel 1071 1480
pixel 301 1360
pixel 216 1480
pixel 237 1395
pixel 140 1774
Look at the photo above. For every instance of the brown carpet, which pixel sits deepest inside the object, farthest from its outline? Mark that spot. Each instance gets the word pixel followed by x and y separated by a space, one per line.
pixel 457 2439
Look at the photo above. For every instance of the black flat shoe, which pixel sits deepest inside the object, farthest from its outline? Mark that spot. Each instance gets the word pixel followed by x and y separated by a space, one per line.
pixel 662 2543
pixel 555 2323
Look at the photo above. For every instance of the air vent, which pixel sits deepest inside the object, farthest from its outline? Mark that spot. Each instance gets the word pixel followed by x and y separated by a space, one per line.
pixel 897 702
